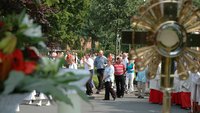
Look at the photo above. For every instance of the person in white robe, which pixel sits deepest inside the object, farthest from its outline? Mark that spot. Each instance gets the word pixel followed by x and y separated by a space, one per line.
pixel 155 93
pixel 195 93
pixel 185 93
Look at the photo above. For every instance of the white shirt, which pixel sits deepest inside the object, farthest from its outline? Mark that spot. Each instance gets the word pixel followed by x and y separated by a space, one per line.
pixel 89 64
pixel 125 61
pixel 109 73
pixel 73 66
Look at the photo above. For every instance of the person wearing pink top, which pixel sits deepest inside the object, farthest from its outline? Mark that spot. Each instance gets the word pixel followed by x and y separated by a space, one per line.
pixel 119 77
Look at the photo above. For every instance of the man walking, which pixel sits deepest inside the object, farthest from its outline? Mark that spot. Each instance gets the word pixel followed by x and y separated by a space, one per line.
pixel 100 63
pixel 89 65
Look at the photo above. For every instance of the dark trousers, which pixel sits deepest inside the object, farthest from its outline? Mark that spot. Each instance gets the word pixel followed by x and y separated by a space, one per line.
pixel 100 79
pixel 109 90
pixel 134 81
pixel 89 84
pixel 120 82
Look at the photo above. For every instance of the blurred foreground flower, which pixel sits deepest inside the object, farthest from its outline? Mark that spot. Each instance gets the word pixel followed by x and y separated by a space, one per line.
pixel 23 70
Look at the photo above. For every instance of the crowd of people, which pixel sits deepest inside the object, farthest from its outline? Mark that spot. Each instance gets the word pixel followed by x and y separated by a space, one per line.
pixel 118 77
pixel 118 74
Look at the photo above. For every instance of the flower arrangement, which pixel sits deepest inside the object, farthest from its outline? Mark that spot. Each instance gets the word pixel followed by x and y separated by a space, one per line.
pixel 23 69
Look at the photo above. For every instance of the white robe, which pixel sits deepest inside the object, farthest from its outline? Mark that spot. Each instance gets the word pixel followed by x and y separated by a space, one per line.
pixel 176 86
pixel 155 83
pixel 186 85
pixel 195 95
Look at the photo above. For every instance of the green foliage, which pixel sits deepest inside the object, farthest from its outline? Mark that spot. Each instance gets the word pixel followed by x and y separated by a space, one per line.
pixel 125 47
pixel 95 80
pixel 12 81
pixel 51 2
pixel 22 28
pixel 106 18
pixel 67 22
pixel 196 3
pixel 47 79
pixel 80 53
pixel 62 20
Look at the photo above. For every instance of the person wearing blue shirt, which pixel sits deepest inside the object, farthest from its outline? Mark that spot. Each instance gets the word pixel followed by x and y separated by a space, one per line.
pixel 141 81
pixel 100 63
pixel 130 74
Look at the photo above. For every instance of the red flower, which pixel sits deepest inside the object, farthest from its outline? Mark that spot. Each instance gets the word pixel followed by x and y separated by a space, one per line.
pixel 30 66
pixel 20 65
pixel 15 61
pixel 1 56
pixel 5 65
pixel 31 53
pixel 18 60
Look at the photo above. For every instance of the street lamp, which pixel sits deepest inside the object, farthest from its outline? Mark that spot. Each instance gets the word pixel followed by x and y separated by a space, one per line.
pixel 118 43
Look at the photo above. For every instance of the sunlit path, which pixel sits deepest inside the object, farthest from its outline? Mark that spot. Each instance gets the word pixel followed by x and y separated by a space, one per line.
pixel 128 104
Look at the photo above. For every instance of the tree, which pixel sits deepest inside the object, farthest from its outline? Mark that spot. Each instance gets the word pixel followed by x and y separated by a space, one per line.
pixel 105 18
pixel 197 3
pixel 61 20
pixel 66 23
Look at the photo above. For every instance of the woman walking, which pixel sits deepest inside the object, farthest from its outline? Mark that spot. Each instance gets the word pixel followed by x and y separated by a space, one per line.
pixel 119 77
pixel 109 80
pixel 130 69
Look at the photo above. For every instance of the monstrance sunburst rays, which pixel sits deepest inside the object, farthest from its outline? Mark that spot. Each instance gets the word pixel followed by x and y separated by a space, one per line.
pixel 166 17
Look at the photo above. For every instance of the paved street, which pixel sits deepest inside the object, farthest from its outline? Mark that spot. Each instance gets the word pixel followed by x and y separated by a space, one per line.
pixel 128 104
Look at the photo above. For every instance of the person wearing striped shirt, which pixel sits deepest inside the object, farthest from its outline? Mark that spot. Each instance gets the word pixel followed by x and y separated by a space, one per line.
pixel 119 77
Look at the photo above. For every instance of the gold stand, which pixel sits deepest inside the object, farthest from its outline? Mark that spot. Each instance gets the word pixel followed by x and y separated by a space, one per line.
pixel 166 108
pixel 167 83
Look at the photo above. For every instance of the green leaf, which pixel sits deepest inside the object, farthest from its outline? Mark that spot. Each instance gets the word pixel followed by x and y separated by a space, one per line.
pixel 59 95
pixel 67 78
pixel 30 83
pixel 21 16
pixel 61 62
pixel 14 79
pixel 51 2
pixel 79 92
